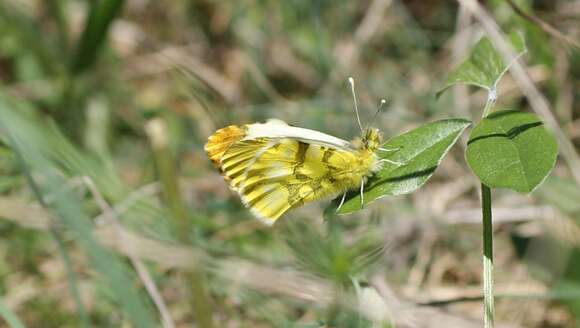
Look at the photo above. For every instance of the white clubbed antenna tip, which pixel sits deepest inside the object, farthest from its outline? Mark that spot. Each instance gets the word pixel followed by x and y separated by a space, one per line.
pixel 381 104
pixel 351 81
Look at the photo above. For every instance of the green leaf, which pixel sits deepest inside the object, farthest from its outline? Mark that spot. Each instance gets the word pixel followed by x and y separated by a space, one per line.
pixel 420 151
pixel 484 67
pixel 511 149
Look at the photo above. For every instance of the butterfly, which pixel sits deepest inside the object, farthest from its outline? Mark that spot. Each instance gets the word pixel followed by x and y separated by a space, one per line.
pixel 275 167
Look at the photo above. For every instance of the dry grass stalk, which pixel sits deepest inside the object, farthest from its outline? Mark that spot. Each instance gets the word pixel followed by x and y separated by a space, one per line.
pixel 286 283
pixel 111 216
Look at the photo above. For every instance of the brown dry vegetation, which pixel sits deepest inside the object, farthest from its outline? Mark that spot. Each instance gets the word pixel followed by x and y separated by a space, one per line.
pixel 116 130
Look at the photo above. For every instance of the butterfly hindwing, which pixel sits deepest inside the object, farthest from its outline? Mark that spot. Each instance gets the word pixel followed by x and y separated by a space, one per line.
pixel 289 173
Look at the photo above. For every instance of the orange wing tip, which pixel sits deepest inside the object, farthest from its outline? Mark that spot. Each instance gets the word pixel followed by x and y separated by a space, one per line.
pixel 219 142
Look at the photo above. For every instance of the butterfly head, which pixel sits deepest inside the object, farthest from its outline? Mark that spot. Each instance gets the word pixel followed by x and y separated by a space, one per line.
pixel 371 139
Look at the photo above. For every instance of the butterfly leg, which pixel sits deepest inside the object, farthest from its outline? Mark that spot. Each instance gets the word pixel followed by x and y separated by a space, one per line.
pixel 390 161
pixel 341 201
pixel 389 149
pixel 362 199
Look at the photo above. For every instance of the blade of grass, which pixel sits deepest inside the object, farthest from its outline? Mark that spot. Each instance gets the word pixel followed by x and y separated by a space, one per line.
pixel 56 235
pixel 10 317
pixel 99 18
pixel 109 213
pixel 27 134
pixel 76 162
pixel 71 278
pixel 56 9
pixel 26 31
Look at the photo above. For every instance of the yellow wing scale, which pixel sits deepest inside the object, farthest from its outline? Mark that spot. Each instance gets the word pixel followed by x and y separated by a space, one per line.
pixel 273 175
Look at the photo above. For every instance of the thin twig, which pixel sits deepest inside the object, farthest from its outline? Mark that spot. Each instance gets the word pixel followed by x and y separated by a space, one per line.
pixel 148 282
pixel 445 295
pixel 547 28
pixel 348 52
pixel 123 206
pixel 282 282
pixel 283 58
pixel 407 314
pixel 500 214
pixel 182 58
pixel 260 78
pixel 459 49
pixel 367 29
pixel 565 102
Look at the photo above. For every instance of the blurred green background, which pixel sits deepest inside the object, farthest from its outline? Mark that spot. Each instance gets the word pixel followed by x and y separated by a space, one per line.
pixel 112 216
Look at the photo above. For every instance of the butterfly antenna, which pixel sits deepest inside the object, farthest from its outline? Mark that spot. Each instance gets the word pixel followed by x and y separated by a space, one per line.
pixel 381 105
pixel 351 81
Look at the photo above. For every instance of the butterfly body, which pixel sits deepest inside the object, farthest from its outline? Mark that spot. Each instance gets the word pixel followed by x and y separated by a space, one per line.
pixel 275 167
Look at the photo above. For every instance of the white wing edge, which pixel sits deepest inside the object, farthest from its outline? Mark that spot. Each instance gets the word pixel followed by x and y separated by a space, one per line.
pixel 274 128
pixel 267 221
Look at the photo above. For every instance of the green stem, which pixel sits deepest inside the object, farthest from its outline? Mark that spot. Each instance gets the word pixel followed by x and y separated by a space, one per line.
pixel 487 257
pixel 165 161
pixel 201 299
pixel 167 170
pixel 491 98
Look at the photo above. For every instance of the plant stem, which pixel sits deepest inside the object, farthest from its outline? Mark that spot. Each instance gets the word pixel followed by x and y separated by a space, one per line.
pixel 164 159
pixel 491 98
pixel 487 257
pixel 201 301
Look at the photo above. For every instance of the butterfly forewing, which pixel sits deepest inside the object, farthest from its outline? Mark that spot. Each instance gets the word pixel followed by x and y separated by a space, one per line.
pixel 237 160
pixel 219 142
